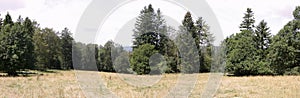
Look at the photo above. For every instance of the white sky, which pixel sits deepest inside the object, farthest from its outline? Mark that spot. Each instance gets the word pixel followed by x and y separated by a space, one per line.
pixel 58 14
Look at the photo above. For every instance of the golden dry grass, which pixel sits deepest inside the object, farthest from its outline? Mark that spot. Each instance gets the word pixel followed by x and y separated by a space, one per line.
pixel 58 85
pixel 64 84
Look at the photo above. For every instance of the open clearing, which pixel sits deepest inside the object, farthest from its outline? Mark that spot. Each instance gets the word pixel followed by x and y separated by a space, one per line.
pixel 64 84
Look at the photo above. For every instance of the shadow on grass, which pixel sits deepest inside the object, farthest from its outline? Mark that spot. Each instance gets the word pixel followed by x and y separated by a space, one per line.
pixel 48 71
pixel 29 73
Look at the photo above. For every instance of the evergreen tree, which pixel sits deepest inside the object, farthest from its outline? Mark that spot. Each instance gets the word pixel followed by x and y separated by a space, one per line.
pixel 189 45
pixel 296 13
pixel 27 42
pixel 188 23
pixel 262 38
pixel 188 52
pixel 241 49
pixel 151 28
pixel 171 53
pixel 205 40
pixel 7 20
pixel 249 20
pixel 144 24
pixel 67 40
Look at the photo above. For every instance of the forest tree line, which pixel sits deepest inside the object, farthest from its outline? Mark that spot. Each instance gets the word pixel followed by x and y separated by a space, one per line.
pixel 24 45
pixel 157 48
pixel 255 51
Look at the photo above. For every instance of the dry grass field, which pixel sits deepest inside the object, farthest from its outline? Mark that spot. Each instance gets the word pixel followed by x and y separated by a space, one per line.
pixel 63 84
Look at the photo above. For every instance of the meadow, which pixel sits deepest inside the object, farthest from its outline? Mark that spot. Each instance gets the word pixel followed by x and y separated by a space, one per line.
pixel 64 84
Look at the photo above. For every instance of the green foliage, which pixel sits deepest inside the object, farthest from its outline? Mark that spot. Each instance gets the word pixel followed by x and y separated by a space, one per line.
pixel 284 53
pixel 10 52
pixel 106 57
pixel 247 51
pixel 249 20
pixel 292 71
pixel 296 13
pixel 1 22
pixel 262 39
pixel 148 22
pixel 16 46
pixel 156 47
pixel 122 64
pixel 67 41
pixel 151 28
pixel 188 52
pixel 47 43
pixel 188 23
pixel 24 46
pixel 28 44
pixel 140 58
pixel 205 41
pixel 257 53
pixel 202 40
pixel 84 56
pixel 7 20
pixel 240 53
pixel 171 56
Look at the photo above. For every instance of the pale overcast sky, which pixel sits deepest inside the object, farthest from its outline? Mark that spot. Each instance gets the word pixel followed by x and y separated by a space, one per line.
pixel 58 14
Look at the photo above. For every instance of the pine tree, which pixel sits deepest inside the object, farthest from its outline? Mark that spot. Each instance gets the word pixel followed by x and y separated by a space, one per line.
pixel 249 20
pixel 241 49
pixel 188 23
pixel 262 38
pixel 144 24
pixel 204 39
pixel 151 28
pixel 189 45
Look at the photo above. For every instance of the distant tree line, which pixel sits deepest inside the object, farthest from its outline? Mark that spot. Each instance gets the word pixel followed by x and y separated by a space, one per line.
pixel 24 45
pixel 254 51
